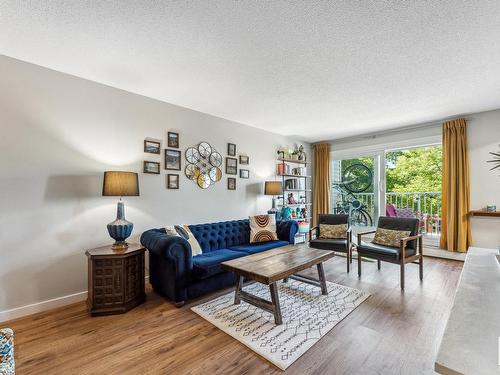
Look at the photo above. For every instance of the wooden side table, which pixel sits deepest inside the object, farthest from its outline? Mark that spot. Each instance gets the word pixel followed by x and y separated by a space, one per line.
pixel 116 279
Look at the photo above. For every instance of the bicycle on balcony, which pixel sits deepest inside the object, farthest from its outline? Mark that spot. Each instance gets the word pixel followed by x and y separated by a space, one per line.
pixel 355 179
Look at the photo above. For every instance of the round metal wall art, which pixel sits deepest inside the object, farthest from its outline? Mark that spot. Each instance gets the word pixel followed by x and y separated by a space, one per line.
pixel 203 165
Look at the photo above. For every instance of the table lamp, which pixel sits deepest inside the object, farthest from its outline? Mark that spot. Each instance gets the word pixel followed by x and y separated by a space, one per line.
pixel 273 188
pixel 120 184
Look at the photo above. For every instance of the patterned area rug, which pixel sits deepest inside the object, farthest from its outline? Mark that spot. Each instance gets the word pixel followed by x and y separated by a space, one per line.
pixel 307 317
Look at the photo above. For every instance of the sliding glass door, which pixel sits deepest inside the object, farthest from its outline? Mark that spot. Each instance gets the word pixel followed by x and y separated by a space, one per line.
pixel 355 189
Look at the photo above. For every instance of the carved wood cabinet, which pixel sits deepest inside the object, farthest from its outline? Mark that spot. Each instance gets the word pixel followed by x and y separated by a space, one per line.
pixel 116 279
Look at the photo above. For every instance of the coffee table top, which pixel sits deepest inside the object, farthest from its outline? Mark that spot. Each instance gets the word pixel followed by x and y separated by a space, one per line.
pixel 276 264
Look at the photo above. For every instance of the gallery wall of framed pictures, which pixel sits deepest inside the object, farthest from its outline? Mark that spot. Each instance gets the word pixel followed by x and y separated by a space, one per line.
pixel 203 162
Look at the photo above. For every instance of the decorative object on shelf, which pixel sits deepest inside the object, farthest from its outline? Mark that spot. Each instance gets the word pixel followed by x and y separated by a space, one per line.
pixel 303 226
pixel 172 181
pixel 151 167
pixel 244 160
pixel 172 160
pixel 231 149
pixel 491 208
pixel 244 173
pixel 231 166
pixel 173 140
pixel 291 199
pixel 120 184
pixel 299 171
pixel 303 213
pixel 273 188
pixel 495 160
pixel 204 165
pixel 152 147
pixel 281 169
pixel 286 213
pixel 231 183
pixel 115 279
pixel 301 153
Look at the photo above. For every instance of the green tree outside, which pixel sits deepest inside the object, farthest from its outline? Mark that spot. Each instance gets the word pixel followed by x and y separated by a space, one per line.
pixel 409 171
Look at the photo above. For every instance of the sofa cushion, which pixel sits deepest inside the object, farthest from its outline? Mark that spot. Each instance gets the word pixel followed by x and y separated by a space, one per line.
pixel 263 228
pixel 253 248
pixel 390 237
pixel 208 264
pixel 376 251
pixel 332 230
pixel 335 244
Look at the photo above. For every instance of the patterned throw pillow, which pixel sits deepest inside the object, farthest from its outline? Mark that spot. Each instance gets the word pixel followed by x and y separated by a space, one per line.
pixel 332 231
pixel 263 228
pixel 390 237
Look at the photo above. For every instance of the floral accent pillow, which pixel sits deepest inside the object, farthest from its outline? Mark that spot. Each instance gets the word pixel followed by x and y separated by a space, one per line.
pixel 263 228
pixel 390 237
pixel 332 231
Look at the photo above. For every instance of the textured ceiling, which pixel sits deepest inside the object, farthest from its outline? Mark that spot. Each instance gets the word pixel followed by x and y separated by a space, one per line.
pixel 316 69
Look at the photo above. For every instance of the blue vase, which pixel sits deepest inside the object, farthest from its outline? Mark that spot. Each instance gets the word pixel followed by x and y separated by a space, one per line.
pixel 120 229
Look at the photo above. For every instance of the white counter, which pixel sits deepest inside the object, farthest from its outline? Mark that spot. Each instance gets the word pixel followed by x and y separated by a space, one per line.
pixel 471 338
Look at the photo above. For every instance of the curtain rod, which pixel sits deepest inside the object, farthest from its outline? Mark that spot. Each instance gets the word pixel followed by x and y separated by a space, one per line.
pixel 395 130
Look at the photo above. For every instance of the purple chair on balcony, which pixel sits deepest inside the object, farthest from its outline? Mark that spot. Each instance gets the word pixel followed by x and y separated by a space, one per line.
pixel 390 210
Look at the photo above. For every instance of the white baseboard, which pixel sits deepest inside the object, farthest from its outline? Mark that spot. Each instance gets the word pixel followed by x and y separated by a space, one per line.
pixel 34 308
pixel 50 304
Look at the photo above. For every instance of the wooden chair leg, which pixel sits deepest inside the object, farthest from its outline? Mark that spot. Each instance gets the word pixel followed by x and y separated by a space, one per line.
pixel 421 267
pixel 378 265
pixel 359 265
pixel 402 276
pixel 348 257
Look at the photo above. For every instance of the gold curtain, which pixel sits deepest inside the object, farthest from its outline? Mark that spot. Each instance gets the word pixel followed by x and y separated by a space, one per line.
pixel 321 182
pixel 455 226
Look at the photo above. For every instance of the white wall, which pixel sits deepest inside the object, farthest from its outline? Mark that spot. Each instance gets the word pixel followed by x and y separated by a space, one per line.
pixel 58 134
pixel 483 134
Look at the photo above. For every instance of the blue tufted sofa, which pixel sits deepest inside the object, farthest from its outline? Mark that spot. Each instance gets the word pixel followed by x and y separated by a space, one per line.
pixel 177 275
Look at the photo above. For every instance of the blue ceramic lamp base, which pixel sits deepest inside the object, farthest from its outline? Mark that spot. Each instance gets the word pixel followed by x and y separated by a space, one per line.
pixel 120 229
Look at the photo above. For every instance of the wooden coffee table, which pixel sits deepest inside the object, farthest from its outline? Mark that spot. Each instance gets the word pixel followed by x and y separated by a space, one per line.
pixel 274 265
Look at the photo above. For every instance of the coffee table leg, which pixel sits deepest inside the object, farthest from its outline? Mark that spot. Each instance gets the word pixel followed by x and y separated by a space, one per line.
pixel 276 303
pixel 239 284
pixel 322 280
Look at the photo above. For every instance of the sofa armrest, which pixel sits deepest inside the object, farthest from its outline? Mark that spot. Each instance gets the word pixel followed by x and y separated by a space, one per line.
pixel 286 230
pixel 167 246
pixel 170 263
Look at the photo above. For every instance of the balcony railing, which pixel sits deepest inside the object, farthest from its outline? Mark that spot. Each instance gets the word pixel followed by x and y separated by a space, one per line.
pixel 425 205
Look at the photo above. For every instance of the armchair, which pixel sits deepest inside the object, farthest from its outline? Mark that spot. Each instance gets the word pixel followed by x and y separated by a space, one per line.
pixel 7 366
pixel 342 245
pixel 408 251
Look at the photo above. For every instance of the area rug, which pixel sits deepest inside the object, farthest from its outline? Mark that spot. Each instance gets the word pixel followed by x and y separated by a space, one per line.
pixel 307 317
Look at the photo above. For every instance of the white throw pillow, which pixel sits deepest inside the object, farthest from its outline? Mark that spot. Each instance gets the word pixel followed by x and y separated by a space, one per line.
pixel 184 232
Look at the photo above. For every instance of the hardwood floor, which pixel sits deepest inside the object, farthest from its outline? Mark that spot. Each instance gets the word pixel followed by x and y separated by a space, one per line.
pixel 392 332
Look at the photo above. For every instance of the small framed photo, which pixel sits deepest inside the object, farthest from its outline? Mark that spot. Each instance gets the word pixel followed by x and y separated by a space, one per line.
pixel 244 173
pixel 173 140
pixel 231 149
pixel 151 147
pixel 231 166
pixel 172 181
pixel 172 159
pixel 244 160
pixel 231 183
pixel 151 167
